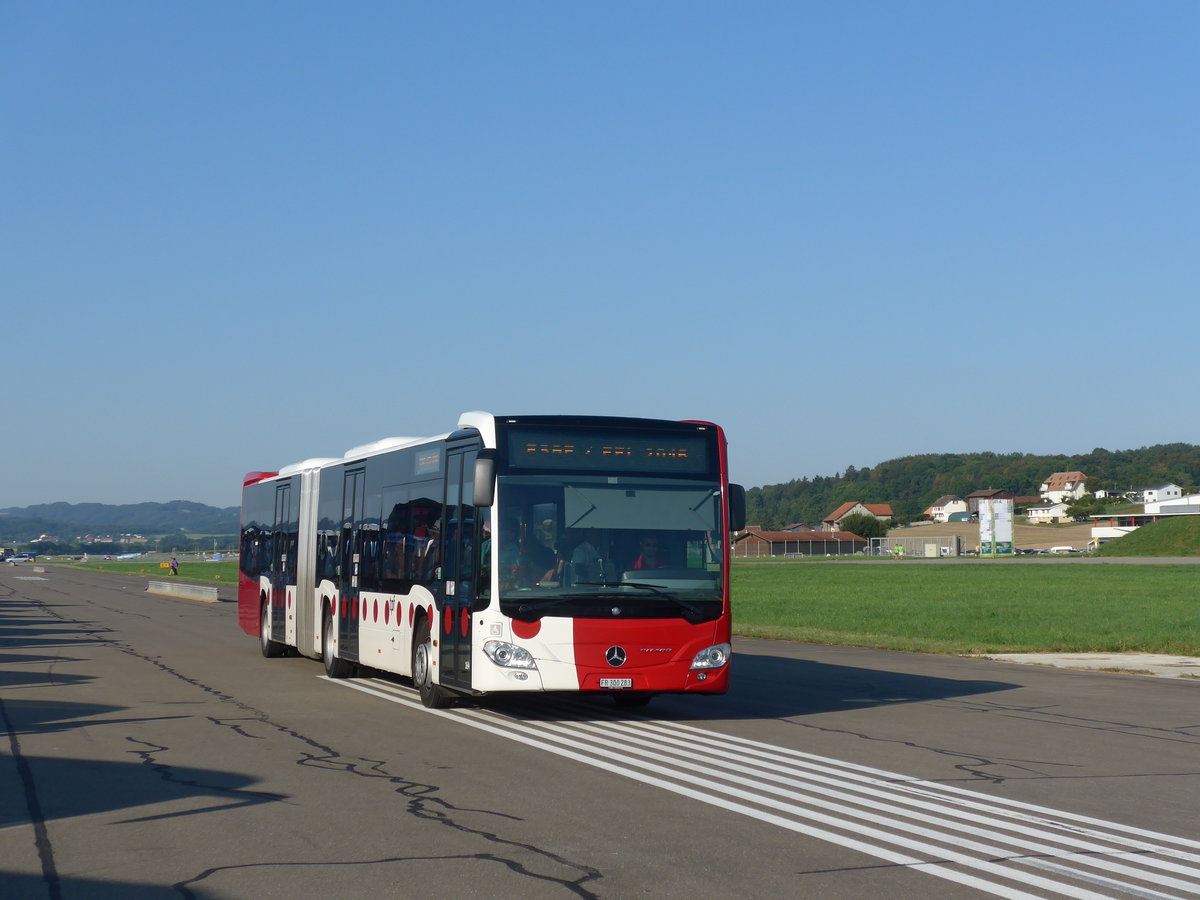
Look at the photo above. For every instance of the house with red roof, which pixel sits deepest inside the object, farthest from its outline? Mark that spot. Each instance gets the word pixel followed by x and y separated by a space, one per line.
pixel 882 511
pixel 1061 487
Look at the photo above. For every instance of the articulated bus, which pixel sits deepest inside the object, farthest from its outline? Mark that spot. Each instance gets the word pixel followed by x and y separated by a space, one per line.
pixel 516 553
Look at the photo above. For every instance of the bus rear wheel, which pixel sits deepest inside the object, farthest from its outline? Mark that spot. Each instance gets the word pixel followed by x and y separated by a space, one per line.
pixel 270 648
pixel 432 695
pixel 335 667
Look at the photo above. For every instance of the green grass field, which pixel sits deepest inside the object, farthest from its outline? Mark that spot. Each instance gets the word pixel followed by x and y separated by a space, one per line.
pixel 986 607
pixel 224 572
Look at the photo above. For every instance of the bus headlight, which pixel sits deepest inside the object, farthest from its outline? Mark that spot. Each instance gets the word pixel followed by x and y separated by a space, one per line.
pixel 509 656
pixel 712 657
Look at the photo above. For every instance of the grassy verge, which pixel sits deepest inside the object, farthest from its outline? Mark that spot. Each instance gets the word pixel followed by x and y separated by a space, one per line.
pixel 224 572
pixel 986 608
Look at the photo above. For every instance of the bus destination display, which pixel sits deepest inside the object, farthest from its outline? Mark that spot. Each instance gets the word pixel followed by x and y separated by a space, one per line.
pixel 685 454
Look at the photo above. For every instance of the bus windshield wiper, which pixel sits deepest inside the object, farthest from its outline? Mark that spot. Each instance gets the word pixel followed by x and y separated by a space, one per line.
pixel 661 593
pixel 567 598
pixel 546 604
pixel 608 595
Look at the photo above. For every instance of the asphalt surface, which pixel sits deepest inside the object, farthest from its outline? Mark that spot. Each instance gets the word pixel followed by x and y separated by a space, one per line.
pixel 1160 664
pixel 149 751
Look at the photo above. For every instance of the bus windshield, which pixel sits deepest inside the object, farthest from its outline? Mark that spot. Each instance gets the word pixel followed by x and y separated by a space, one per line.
pixel 588 546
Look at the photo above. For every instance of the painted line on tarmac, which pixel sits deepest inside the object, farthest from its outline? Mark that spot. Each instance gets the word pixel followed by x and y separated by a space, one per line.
pixel 1001 847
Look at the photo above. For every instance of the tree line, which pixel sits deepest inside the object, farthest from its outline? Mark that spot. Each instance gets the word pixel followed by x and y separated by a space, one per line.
pixel 183 524
pixel 912 483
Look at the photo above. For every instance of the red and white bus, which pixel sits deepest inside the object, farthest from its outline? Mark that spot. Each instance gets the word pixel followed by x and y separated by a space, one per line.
pixel 516 553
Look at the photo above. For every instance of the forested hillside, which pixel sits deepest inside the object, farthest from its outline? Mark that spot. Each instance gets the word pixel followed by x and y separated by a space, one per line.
pixel 66 520
pixel 911 484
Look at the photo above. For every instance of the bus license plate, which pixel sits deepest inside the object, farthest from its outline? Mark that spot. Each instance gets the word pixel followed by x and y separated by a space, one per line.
pixel 616 682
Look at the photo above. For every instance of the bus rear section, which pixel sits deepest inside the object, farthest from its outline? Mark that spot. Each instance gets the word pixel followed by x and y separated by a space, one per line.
pixel 276 559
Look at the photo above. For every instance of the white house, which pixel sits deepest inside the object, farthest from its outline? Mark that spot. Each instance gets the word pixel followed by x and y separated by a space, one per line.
pixel 1047 511
pixel 1060 486
pixel 1189 505
pixel 1157 493
pixel 946 506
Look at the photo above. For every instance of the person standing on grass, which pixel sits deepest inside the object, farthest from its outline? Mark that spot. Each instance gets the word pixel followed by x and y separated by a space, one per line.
pixel 174 566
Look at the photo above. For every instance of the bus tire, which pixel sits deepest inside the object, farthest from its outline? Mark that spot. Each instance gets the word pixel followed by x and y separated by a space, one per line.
pixel 270 649
pixel 334 666
pixel 432 695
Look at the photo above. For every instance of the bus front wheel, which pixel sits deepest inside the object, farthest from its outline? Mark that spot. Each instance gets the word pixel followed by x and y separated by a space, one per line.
pixel 432 695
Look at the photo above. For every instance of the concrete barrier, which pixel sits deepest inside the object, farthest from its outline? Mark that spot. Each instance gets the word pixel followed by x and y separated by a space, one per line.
pixel 186 591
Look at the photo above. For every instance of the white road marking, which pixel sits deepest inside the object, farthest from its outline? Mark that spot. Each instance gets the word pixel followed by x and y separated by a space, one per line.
pixel 999 846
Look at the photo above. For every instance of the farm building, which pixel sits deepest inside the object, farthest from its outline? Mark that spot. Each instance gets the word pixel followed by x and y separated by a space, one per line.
pixel 754 543
pixel 990 494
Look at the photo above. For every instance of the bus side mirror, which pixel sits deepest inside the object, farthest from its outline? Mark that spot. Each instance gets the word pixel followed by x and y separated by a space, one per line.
pixel 737 507
pixel 485 478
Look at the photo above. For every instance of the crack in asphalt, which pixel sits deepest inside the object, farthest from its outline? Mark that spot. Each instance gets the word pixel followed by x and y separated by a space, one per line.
pixel 1047 715
pixel 423 803
pixel 168 773
pixel 41 836
pixel 978 767
pixel 975 766
pixel 184 887
pixel 422 800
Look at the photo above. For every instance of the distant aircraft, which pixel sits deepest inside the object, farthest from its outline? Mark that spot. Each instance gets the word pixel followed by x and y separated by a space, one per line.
pixel 129 556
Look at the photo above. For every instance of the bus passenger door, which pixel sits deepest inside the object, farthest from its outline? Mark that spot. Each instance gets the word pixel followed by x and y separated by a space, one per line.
pixel 280 560
pixel 346 616
pixel 460 568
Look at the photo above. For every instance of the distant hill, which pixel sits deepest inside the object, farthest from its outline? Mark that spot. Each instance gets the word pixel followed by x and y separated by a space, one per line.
pixel 911 484
pixel 70 519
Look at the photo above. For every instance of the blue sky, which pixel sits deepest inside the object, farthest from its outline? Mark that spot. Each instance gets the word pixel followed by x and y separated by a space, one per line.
pixel 237 235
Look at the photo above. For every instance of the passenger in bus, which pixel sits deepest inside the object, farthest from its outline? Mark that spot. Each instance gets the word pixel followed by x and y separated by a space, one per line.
pixel 426 547
pixel 542 561
pixel 650 557
pixel 510 555
pixel 588 565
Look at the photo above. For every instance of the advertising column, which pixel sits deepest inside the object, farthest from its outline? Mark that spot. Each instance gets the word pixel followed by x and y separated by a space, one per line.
pixel 995 527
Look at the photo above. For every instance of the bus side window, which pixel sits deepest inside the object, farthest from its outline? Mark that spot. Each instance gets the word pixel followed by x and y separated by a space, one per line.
pixel 398 540
pixel 427 547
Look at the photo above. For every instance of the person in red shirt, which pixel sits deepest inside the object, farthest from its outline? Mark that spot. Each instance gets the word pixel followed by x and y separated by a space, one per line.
pixel 650 557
